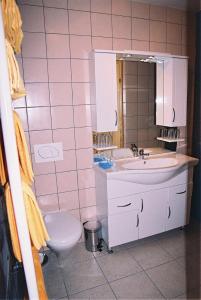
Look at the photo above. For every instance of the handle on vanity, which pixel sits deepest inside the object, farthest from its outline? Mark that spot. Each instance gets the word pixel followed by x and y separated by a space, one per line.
pixel 116 118
pixel 169 212
pixel 142 207
pixel 173 114
pixel 124 205
pixel 181 192
pixel 137 221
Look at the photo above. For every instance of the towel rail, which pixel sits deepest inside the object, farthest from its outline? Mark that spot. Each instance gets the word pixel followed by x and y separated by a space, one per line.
pixel 6 114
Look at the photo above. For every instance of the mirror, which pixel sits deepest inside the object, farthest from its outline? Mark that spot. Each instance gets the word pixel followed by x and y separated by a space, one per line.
pixel 136 97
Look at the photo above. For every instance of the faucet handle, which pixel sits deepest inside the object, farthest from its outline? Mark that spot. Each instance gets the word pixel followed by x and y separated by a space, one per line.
pixel 141 152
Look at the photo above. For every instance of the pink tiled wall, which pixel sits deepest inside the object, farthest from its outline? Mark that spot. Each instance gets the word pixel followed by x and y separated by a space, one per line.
pixel 58 36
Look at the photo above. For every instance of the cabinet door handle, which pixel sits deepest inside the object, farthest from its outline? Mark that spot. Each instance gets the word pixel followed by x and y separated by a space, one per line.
pixel 124 205
pixel 137 221
pixel 173 114
pixel 169 212
pixel 181 193
pixel 142 207
pixel 116 118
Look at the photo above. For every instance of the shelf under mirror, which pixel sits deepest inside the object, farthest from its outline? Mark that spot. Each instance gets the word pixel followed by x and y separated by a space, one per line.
pixel 170 140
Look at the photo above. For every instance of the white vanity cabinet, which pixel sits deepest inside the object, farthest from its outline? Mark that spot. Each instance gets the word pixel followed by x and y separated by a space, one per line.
pixel 129 211
pixel 104 92
pixel 171 92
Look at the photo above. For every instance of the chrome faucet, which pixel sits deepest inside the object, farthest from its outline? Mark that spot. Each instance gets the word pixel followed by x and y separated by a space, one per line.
pixel 142 154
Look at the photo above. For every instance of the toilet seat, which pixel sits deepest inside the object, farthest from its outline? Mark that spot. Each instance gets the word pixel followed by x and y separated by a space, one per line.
pixel 64 230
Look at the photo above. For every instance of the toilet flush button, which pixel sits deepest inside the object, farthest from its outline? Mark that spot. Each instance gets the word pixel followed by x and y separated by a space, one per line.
pixel 48 152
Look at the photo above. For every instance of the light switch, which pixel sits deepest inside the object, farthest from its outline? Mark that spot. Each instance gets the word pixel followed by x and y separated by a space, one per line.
pixel 48 152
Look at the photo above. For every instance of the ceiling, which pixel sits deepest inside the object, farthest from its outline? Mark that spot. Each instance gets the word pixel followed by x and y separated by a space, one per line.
pixel 181 4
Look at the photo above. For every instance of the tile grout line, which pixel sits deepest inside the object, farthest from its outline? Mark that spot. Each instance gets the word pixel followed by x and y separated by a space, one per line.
pixel 155 285
pixel 92 258
pixel 75 142
pixel 105 277
pixel 52 135
pixel 26 109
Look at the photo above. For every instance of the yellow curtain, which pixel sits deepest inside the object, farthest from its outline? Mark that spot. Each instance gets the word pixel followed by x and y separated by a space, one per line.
pixel 17 89
pixel 14 35
pixel 23 152
pixel 12 24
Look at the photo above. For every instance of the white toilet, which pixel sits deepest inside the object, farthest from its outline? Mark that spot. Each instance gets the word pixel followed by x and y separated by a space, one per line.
pixel 64 231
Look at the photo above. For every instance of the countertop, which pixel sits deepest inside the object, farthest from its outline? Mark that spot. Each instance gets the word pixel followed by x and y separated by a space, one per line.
pixel 183 162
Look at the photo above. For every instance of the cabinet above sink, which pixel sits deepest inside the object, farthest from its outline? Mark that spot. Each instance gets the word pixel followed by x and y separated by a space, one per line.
pixel 170 90
pixel 104 92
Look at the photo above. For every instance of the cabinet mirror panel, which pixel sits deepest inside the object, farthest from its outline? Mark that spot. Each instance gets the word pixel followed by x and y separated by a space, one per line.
pixel 137 93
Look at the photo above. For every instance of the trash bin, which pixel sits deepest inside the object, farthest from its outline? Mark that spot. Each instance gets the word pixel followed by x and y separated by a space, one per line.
pixel 92 233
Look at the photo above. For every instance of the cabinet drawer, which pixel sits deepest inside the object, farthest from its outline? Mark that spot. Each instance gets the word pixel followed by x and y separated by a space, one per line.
pixel 123 204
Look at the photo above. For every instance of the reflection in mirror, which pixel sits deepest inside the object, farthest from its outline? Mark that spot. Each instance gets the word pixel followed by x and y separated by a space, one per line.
pixel 136 101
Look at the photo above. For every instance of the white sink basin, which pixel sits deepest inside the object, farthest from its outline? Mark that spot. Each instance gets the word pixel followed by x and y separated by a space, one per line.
pixel 148 171
pixel 154 163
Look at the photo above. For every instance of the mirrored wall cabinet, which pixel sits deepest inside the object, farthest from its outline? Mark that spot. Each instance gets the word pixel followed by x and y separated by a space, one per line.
pixel 170 89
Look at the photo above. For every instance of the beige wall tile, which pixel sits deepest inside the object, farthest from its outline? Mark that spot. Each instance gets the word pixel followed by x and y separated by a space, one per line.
pixel 140 29
pixel 157 31
pixel 121 7
pixel 157 47
pixel 174 15
pixel 157 13
pixel 174 33
pixel 140 45
pixel 140 10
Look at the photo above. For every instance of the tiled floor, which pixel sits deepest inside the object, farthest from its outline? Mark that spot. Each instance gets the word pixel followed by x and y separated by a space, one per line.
pixel 166 266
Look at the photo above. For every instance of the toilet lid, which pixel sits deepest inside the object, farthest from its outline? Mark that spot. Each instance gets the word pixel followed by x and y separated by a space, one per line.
pixel 63 228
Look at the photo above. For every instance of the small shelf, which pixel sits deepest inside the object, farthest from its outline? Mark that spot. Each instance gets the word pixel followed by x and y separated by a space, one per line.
pixel 169 140
pixel 97 148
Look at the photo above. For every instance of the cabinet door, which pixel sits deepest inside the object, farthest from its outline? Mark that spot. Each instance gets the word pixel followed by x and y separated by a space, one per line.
pixel 123 228
pixel 106 92
pixel 152 216
pixel 177 210
pixel 171 92
pixel 175 92
pixel 180 91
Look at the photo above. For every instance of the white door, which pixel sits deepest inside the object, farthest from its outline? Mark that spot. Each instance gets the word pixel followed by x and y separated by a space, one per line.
pixel 177 209
pixel 175 91
pixel 152 216
pixel 106 92
pixel 180 91
pixel 123 228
